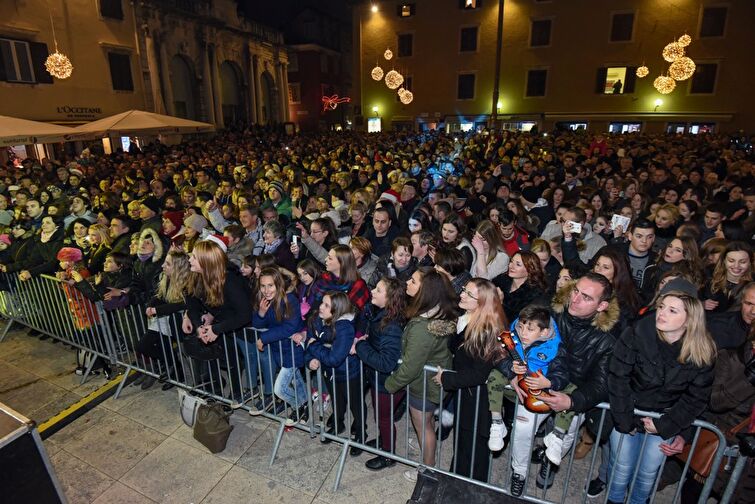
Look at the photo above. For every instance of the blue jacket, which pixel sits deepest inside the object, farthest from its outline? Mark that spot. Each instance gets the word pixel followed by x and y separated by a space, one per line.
pixel 278 334
pixel 540 356
pixel 382 349
pixel 332 350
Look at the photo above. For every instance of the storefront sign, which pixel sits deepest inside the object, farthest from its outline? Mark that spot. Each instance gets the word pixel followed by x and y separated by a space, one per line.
pixel 79 112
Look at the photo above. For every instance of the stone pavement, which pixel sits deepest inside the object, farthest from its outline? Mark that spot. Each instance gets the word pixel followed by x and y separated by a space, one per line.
pixel 137 450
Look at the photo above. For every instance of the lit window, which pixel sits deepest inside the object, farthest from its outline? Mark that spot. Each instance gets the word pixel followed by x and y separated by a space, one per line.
pixel 624 127
pixel 616 78
pixel 406 10
pixel 470 4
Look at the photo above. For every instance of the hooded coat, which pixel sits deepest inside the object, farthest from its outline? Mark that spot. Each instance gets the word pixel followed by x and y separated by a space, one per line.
pixel 146 274
pixel 588 344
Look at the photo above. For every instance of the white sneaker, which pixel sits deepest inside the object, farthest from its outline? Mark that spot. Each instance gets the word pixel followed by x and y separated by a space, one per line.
pixel 554 444
pixel 411 475
pixel 498 431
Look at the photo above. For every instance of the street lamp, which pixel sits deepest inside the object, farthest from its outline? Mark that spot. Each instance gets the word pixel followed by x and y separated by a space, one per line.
pixel 375 109
pixel 658 103
pixel 374 8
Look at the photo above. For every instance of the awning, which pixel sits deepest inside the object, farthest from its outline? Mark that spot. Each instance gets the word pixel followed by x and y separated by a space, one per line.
pixel 15 131
pixel 135 122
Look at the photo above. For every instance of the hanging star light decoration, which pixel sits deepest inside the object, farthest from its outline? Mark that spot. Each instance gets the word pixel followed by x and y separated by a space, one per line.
pixel 377 73
pixel 672 52
pixel 642 71
pixel 664 84
pixel 682 69
pixel 388 54
pixel 393 79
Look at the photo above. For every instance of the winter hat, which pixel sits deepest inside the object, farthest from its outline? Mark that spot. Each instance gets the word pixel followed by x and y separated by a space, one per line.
pixel 195 222
pixel 4 238
pixel 220 241
pixel 175 217
pixel 680 285
pixel 152 203
pixel 390 195
pixel 70 254
pixel 5 218
pixel 278 186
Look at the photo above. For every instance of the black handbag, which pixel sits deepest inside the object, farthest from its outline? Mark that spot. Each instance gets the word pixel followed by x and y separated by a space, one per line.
pixel 212 426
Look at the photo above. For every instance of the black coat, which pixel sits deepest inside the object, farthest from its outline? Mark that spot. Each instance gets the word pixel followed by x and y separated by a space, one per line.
pixel 146 275
pixel 40 258
pixel 526 294
pixel 645 374
pixel 122 244
pixel 728 329
pixel 234 313
pixel 588 344
pixel 381 351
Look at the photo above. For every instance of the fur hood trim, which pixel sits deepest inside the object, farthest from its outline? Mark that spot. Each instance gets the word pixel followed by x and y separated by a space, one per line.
pixel 438 327
pixel 605 320
pixel 157 240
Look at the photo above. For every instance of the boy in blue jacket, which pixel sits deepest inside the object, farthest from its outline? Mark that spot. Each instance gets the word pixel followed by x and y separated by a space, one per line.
pixel 538 355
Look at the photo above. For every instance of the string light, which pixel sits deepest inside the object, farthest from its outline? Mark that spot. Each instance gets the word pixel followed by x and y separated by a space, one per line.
pixel 684 40
pixel 406 97
pixel 664 84
pixel 377 73
pixel 682 69
pixel 393 79
pixel 388 54
pixel 672 52
pixel 642 71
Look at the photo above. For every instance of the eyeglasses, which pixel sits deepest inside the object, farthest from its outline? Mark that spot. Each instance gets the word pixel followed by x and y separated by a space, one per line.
pixel 469 294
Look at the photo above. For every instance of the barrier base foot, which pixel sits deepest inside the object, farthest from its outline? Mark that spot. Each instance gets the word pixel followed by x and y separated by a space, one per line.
pixel 277 442
pixel 341 465
pixel 7 327
pixel 126 374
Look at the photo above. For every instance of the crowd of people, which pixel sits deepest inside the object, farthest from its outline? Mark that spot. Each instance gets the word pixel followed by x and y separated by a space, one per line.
pixel 572 267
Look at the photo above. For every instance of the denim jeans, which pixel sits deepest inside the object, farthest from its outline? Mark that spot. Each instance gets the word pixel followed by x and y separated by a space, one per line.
pixel 624 462
pixel 290 386
pixel 266 364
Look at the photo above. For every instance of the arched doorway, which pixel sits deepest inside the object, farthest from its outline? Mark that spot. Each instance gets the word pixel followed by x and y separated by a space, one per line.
pixel 269 99
pixel 184 84
pixel 232 100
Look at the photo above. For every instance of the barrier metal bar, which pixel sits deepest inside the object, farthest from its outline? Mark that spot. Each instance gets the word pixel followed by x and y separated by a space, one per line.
pixel 115 334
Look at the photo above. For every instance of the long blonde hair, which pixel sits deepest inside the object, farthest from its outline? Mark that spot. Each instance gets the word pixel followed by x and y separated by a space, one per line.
pixel 486 322
pixel 101 231
pixel 208 285
pixel 698 347
pixel 172 286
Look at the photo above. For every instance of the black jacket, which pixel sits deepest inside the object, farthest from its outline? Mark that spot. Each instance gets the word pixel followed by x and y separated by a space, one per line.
pixel 234 313
pixel 513 302
pixel 728 329
pixel 381 351
pixel 588 344
pixel 40 258
pixel 122 244
pixel 645 374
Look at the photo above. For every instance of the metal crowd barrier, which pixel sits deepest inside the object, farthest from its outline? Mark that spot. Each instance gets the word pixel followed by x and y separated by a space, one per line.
pixel 159 348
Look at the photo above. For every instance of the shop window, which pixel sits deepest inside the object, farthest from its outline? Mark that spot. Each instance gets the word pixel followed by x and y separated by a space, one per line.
pixel 120 71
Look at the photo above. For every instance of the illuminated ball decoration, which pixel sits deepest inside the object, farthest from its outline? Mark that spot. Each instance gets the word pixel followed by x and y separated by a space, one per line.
pixel 388 54
pixel 681 69
pixel 377 73
pixel 664 84
pixel 393 79
pixel 406 97
pixel 684 40
pixel 58 65
pixel 672 52
pixel 642 71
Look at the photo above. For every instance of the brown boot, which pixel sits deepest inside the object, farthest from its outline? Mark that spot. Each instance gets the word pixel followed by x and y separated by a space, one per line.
pixel 585 445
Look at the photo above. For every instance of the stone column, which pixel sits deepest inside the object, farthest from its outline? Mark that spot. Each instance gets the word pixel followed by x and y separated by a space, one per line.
pixel 154 73
pixel 257 87
pixel 217 90
pixel 284 72
pixel 252 91
pixel 207 84
pixel 282 92
pixel 167 85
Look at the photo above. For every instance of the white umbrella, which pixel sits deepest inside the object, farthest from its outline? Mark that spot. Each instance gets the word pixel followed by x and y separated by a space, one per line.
pixel 15 131
pixel 134 122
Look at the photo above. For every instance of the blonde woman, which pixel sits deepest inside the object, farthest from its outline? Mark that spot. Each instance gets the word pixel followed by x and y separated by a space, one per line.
pixel 490 260
pixel 99 247
pixel 664 363
pixel 169 298
pixel 476 350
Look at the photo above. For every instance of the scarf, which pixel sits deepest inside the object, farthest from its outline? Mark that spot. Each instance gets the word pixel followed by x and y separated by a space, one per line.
pixel 45 237
pixel 144 257
pixel 269 249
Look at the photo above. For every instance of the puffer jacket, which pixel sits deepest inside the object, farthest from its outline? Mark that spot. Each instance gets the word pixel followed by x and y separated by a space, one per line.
pixel 645 374
pixel 331 347
pixel 588 344
pixel 278 333
pixel 38 257
pixel 733 396
pixel 425 341
pixel 381 351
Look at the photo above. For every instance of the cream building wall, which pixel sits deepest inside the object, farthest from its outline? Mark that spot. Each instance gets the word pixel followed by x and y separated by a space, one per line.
pixel 579 46
pixel 235 69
